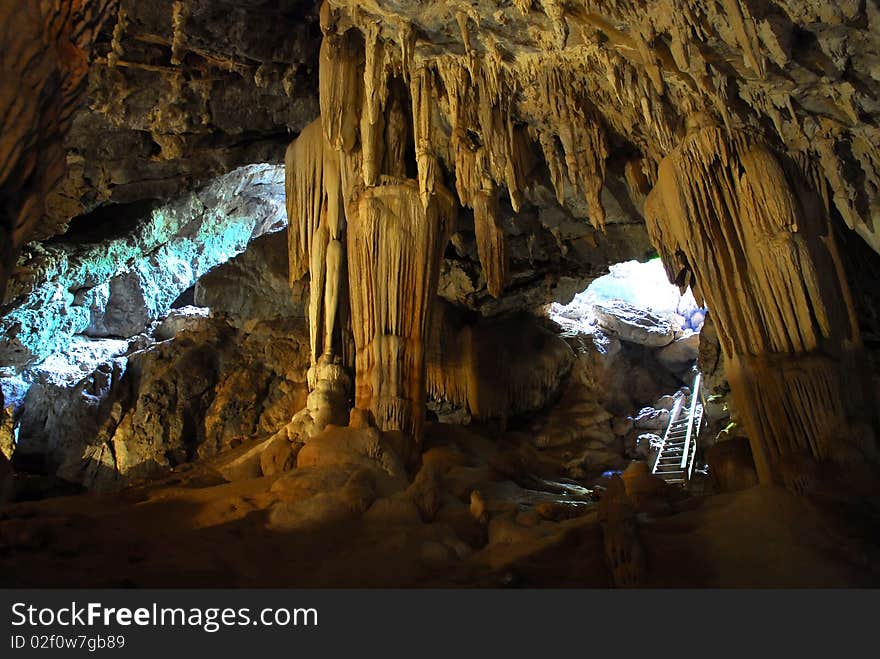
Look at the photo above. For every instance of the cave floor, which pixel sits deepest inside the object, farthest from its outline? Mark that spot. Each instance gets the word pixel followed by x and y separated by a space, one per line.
pixel 193 529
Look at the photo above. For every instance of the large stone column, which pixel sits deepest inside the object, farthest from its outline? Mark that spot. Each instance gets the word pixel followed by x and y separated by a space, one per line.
pixel 371 238
pixel 395 248
pixel 743 226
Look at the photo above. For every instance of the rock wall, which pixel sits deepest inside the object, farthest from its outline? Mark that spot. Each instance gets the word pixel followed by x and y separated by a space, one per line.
pixel 45 62
pixel 494 369
pixel 254 284
pixel 182 91
pixel 117 287
pixel 208 389
pixel 106 413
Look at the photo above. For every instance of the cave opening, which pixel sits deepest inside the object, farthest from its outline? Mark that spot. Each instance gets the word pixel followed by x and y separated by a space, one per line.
pixel 108 222
pixel 643 286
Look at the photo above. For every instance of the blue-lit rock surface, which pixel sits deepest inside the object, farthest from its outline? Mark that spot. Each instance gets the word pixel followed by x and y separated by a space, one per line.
pixel 116 287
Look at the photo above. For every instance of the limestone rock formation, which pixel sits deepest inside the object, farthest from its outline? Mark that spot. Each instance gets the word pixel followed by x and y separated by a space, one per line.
pixel 45 62
pixel 494 96
pixel 116 287
pixel 108 412
pixel 635 325
pixel 633 70
pixel 495 369
pixel 254 285
pixel 376 390
pixel 761 253
pixel 139 413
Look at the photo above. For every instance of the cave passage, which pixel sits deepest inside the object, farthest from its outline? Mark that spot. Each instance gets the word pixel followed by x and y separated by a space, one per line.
pixel 643 286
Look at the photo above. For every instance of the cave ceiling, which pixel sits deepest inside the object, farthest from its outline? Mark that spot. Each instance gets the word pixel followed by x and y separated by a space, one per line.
pixel 181 91
pixel 563 109
pixel 802 74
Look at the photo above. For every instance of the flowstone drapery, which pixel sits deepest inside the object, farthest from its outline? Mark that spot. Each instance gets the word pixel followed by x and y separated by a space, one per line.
pixel 740 224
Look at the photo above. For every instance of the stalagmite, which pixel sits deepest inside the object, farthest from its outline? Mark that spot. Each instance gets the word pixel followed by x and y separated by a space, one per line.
pixel 760 251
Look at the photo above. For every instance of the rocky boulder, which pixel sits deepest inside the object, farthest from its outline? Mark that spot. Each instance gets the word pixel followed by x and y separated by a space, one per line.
pixel 634 325
pixel 681 353
pixel 254 284
pixel 139 413
pixel 181 319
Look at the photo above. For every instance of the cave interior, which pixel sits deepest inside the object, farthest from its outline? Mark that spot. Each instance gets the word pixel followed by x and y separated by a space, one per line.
pixel 556 293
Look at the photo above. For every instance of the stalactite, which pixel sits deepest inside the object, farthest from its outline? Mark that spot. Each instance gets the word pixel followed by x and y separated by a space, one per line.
pixel 372 127
pixel 304 190
pixel 422 93
pixel 317 221
pixel 340 84
pixel 467 156
pixel 572 138
pixel 318 272
pixel 744 29
pixel 490 240
pixel 116 49
pixel 763 258
pixel 179 15
pixel 524 6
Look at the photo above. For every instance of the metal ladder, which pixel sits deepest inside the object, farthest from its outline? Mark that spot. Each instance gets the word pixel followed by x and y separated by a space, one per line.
pixel 675 461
